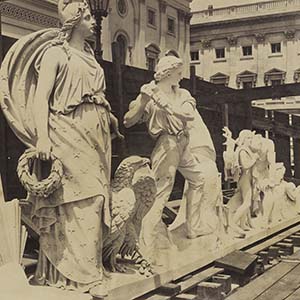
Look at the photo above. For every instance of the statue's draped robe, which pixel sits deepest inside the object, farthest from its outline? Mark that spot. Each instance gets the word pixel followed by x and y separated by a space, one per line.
pixel 202 148
pixel 70 220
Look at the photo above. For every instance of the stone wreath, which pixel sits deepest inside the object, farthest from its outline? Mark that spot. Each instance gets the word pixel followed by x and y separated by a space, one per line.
pixel 42 188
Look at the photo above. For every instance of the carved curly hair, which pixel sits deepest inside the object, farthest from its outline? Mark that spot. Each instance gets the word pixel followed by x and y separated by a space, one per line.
pixel 66 30
pixel 165 67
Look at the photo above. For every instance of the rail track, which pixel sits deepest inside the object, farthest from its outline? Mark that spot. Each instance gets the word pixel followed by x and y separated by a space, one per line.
pixel 211 282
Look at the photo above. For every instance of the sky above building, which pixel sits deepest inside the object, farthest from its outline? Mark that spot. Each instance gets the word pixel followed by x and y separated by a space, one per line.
pixel 203 4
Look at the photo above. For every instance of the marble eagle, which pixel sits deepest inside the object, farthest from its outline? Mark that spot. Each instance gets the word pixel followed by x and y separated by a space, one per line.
pixel 133 194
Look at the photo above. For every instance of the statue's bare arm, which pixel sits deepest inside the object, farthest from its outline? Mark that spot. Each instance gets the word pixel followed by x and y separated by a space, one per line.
pixel 246 160
pixel 46 80
pixel 136 110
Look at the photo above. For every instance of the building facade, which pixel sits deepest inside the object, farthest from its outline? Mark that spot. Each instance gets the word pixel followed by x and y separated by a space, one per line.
pixel 145 29
pixel 247 45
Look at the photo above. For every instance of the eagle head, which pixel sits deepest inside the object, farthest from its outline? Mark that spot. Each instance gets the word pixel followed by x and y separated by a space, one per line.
pixel 127 168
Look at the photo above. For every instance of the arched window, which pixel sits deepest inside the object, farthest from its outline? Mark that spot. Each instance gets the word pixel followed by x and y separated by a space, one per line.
pixel 152 55
pixel 122 41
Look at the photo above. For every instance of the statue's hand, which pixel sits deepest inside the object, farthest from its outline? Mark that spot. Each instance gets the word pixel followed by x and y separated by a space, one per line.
pixel 115 126
pixel 43 148
pixel 226 132
pixel 147 90
pixel 102 101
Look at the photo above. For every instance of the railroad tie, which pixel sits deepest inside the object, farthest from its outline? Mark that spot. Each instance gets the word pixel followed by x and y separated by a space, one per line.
pixel 210 291
pixel 295 240
pixel 224 280
pixel 287 248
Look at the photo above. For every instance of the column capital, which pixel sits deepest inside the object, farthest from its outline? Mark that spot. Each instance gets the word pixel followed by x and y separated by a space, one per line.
pixel 181 15
pixel 260 37
pixel 290 34
pixel 162 6
pixel 232 40
pixel 206 44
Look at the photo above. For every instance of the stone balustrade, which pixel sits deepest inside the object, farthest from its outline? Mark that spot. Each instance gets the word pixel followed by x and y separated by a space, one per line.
pixel 246 10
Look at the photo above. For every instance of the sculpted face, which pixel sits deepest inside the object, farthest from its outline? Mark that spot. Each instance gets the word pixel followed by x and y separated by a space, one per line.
pixel 176 75
pixel 256 142
pixel 87 24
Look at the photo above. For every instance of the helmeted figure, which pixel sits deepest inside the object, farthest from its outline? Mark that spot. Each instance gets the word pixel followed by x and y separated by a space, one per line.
pixel 52 94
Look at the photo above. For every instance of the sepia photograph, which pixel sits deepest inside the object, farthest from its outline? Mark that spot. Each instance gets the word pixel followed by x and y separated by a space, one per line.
pixel 150 149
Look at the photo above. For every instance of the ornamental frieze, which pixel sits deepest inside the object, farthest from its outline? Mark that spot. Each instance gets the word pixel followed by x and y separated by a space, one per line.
pixel 26 15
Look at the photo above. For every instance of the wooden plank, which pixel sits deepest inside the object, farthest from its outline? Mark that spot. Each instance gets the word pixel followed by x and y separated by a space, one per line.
pixel 284 287
pixel 198 263
pixel 194 280
pixel 187 261
pixel 274 240
pixel 295 295
pixel 296 122
pixel 258 286
pixel 246 95
pixel 2 199
pixel 118 94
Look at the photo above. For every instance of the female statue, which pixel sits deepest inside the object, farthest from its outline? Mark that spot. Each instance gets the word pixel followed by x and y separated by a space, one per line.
pixel 246 159
pixel 53 97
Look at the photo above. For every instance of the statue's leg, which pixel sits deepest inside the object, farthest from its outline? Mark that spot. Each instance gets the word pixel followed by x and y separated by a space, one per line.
pixel 193 172
pixel 165 158
pixel 246 192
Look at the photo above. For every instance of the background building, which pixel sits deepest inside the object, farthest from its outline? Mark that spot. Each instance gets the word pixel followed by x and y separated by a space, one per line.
pixel 145 29
pixel 247 45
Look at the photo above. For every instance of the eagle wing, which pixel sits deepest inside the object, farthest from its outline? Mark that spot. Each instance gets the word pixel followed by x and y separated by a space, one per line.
pixel 145 191
pixel 122 208
pixel 144 187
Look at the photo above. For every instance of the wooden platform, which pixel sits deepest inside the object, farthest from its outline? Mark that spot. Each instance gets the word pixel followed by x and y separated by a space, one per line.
pixel 281 282
pixel 192 255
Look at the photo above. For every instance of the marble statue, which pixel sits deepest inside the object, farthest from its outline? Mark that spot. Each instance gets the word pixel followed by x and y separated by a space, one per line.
pixel 133 194
pixel 231 166
pixel 240 203
pixel 263 171
pixel 205 216
pixel 52 94
pixel 166 108
pixel 284 198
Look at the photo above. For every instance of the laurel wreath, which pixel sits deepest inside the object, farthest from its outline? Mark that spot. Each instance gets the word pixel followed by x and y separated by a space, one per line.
pixel 42 188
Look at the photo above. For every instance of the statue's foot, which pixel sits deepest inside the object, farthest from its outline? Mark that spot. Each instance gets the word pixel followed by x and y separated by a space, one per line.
pixel 106 273
pixel 239 235
pixel 246 228
pixel 192 234
pixel 119 268
pixel 238 232
pixel 99 291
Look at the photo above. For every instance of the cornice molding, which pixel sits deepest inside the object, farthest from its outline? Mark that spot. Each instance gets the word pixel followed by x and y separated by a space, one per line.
pixel 26 15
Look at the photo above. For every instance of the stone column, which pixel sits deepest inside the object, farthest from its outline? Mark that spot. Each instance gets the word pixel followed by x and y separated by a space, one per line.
pixel 186 46
pixel 141 40
pixel 207 60
pixel 162 24
pixel 291 55
pixel 260 38
pixel 232 60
